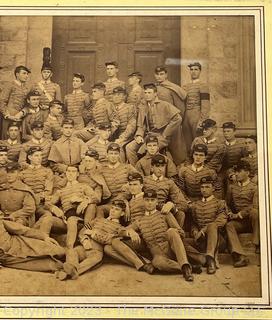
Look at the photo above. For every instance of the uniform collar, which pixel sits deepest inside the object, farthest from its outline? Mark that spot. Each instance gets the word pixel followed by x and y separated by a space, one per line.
pixel 19 83
pixel 139 195
pixel 231 143
pixel 37 141
pixel 32 111
pixel 196 80
pixel 112 79
pixel 252 155
pixel 35 167
pixel 195 169
pixel 75 182
pixel 148 213
pixel 45 81
pixel 155 178
pixel 101 141
pixel 52 117
pixel 208 199
pixel 243 184
pixel 209 141
pixel 77 91
pixel 116 165
pixel 12 142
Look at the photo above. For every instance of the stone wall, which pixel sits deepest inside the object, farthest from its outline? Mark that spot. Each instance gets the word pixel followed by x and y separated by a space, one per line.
pixel 217 43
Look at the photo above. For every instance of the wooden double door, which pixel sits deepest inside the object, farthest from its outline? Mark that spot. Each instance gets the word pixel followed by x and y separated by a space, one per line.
pixel 138 43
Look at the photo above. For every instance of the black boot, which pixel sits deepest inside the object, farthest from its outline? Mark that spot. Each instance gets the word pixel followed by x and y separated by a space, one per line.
pixel 211 267
pixel 187 272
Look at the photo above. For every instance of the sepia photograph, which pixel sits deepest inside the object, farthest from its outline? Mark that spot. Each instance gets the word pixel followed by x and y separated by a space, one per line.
pixel 133 157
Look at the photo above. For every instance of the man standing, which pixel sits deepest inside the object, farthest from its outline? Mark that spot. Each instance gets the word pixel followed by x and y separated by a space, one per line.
pixel 252 157
pixel 135 91
pixel 48 89
pixel 13 98
pixel 197 104
pixel 159 117
pixel 77 102
pixel 67 150
pixel 174 94
pixel 112 81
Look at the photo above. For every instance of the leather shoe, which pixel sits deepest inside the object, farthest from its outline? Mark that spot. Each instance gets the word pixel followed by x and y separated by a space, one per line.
pixel 148 267
pixel 211 267
pixel 196 268
pixel 187 272
pixel 242 262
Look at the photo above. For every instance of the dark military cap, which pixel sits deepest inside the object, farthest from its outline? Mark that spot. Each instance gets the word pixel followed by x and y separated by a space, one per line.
pixel 160 69
pixel 150 86
pixel 252 137
pixel 158 160
pixel 111 63
pixel 19 68
pixel 12 166
pixel 68 121
pixel 56 102
pixel 119 90
pixel 150 193
pixel 104 126
pixel 99 86
pixel 37 124
pixel 92 153
pixel 33 149
pixel 228 125
pixel 200 148
pixel 33 93
pixel 14 124
pixel 119 203
pixel 242 165
pixel 80 76
pixel 208 123
pixel 114 147
pixel 135 176
pixel 46 66
pixel 195 64
pixel 3 148
pixel 151 138
pixel 207 179
pixel 135 74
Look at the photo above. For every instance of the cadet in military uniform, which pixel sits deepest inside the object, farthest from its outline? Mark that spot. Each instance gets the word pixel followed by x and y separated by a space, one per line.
pixel 170 197
pixel 216 149
pixel 17 202
pixel 192 174
pixel 28 249
pixel 100 141
pixel 67 150
pixel 242 198
pixel 53 123
pixel 112 81
pixel 209 215
pixel 48 89
pixel 174 94
pixel 13 143
pixel 31 113
pixel 197 104
pixel 13 97
pixel 159 117
pixel 37 139
pixel 135 91
pixel 252 157
pixel 162 236
pixel 126 113
pixel 77 102
pixel 3 158
pixel 152 148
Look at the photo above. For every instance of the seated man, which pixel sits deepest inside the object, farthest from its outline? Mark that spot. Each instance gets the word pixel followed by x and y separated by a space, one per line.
pixel 170 198
pixel 17 202
pixel 53 123
pixel 252 157
pixel 100 141
pixel 37 140
pixel 156 116
pixel 13 143
pixel 191 174
pixel 28 249
pixel 152 148
pixel 94 237
pixel 3 158
pixel 67 150
pixel 78 203
pixel 209 215
pixel 162 236
pixel 242 199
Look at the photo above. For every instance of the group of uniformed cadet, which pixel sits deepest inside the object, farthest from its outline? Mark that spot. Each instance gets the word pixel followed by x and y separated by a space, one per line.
pixel 139 173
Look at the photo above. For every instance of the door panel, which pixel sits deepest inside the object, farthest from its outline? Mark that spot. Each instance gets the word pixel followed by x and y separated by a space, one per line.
pixel 84 44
